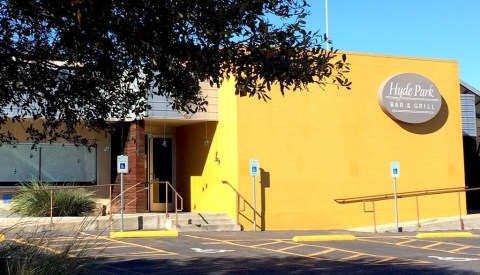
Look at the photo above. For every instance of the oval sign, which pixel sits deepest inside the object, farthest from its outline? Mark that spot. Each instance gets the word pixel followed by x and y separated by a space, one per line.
pixel 410 98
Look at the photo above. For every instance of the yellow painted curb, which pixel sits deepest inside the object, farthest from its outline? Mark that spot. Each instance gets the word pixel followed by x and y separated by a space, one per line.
pixel 2 237
pixel 144 234
pixel 444 235
pixel 319 238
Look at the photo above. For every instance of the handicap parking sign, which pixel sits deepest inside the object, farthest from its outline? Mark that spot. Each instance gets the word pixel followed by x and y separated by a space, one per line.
pixel 254 167
pixel 122 164
pixel 395 169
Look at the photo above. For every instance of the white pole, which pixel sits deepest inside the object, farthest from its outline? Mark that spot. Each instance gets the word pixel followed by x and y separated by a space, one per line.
pixel 326 25
pixel 396 205
pixel 254 206
pixel 121 202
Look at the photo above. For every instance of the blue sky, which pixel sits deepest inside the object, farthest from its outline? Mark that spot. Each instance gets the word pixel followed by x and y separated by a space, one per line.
pixel 441 29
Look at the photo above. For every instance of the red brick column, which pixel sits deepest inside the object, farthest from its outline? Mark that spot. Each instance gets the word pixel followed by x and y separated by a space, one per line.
pixel 135 198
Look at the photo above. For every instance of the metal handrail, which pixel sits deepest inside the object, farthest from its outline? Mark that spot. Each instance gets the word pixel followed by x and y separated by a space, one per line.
pixel 238 197
pixel 177 196
pixel 124 191
pixel 55 188
pixel 112 201
pixel 403 195
pixel 167 185
pixel 416 194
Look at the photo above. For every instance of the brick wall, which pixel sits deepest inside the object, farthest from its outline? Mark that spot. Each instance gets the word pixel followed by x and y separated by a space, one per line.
pixel 135 198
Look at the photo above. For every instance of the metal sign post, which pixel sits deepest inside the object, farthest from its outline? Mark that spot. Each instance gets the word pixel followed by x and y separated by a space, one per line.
pixel 122 168
pixel 395 172
pixel 121 201
pixel 254 172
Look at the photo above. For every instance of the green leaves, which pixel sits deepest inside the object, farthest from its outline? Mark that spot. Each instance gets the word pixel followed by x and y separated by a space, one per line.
pixel 34 200
pixel 90 61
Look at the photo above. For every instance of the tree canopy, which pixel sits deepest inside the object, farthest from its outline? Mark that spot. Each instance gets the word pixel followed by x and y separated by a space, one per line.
pixel 66 62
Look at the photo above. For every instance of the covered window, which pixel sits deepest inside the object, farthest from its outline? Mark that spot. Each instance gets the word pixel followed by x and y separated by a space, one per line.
pixel 48 162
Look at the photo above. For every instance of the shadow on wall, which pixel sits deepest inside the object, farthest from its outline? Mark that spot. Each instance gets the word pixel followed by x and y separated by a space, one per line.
pixel 264 183
pixel 472 176
pixel 193 145
pixel 430 126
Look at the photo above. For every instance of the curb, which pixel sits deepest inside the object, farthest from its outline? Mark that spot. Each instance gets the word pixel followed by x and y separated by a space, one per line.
pixel 144 234
pixel 319 238
pixel 444 235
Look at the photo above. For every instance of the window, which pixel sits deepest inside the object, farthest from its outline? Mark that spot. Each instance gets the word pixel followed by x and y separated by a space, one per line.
pixel 48 162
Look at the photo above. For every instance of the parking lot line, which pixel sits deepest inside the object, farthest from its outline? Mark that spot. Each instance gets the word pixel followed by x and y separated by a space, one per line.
pixel 265 244
pixel 430 245
pixel 325 250
pixel 291 247
pixel 36 245
pixel 356 255
pixel 457 250
pixel 426 235
pixel 133 244
pixel 405 242
pixel 385 259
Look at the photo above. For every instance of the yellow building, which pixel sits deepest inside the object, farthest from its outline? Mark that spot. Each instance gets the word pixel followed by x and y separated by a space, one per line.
pixel 312 148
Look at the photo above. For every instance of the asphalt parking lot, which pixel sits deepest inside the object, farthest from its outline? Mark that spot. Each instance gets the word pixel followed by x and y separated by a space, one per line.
pixel 276 252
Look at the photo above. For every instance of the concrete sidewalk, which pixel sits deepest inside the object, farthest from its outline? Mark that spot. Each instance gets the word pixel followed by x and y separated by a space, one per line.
pixel 140 221
pixel 470 222
pixel 159 221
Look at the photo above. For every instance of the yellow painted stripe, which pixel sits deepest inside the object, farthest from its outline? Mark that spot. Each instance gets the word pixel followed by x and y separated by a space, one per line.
pixel 131 244
pixel 2 237
pixel 144 234
pixel 318 238
pixel 321 252
pixel 444 235
pixel 291 247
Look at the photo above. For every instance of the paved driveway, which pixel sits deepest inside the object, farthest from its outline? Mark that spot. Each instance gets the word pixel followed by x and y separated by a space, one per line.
pixel 269 253
pixel 275 252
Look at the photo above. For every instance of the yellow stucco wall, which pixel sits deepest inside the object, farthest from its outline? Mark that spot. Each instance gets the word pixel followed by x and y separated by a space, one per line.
pixel 321 145
pixel 218 160
pixel 102 140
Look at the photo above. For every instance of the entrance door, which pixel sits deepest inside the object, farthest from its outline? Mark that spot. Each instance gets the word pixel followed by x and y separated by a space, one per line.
pixel 161 168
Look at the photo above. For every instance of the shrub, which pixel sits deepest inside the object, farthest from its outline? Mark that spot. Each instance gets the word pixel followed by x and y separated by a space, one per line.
pixel 30 249
pixel 35 201
pixel 20 258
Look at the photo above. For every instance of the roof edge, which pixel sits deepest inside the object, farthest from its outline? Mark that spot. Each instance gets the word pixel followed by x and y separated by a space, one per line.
pixel 470 88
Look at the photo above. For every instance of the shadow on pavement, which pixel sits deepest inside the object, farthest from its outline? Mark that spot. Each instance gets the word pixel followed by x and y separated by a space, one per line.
pixel 264 265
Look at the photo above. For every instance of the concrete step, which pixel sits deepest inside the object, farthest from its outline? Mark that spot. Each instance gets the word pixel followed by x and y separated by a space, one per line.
pixel 209 227
pixel 202 219
pixel 190 222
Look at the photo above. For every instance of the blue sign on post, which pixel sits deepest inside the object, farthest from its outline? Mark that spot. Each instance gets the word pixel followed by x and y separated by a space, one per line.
pixel 254 170
pixel 122 164
pixel 395 169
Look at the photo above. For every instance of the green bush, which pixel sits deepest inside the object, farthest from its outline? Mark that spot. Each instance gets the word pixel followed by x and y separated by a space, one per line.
pixel 19 258
pixel 35 201
pixel 30 248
